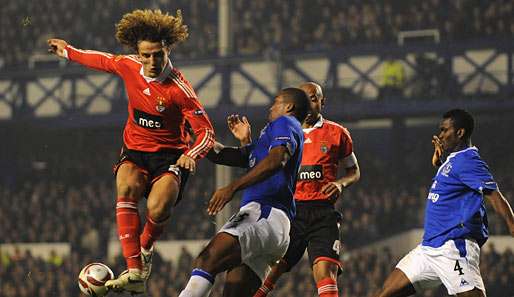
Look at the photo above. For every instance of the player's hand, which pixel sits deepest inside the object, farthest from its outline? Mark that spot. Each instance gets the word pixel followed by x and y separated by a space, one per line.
pixel 186 162
pixel 438 151
pixel 219 199
pixel 240 128
pixel 333 190
pixel 56 46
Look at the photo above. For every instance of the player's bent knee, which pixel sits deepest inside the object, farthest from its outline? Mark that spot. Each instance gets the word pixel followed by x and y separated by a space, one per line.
pixel 159 211
pixel 134 190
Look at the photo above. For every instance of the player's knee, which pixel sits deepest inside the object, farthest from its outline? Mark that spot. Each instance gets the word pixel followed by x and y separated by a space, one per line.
pixel 128 189
pixel 159 211
pixel 203 261
pixel 159 207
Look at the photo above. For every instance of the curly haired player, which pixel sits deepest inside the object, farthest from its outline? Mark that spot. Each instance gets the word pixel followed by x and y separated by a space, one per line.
pixel 156 157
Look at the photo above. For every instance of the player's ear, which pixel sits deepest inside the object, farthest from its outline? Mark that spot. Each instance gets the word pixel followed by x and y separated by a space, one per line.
pixel 289 107
pixel 461 132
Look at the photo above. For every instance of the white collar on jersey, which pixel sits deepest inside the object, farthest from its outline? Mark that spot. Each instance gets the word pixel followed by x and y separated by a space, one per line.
pixel 318 124
pixel 451 155
pixel 162 77
pixel 463 150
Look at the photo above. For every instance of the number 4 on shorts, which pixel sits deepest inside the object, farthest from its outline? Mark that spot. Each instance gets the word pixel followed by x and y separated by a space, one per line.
pixel 458 268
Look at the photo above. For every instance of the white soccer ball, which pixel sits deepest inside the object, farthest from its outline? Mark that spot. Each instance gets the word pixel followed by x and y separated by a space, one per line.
pixel 92 279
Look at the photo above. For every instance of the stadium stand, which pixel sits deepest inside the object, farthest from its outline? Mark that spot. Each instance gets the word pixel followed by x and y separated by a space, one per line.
pixel 57 183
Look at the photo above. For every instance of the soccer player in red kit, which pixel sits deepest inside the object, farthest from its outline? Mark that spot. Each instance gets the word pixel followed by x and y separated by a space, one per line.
pixel 156 157
pixel 327 147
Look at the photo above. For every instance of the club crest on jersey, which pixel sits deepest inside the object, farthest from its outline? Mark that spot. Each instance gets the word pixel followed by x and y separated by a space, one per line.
pixel 324 148
pixel 446 169
pixel 160 107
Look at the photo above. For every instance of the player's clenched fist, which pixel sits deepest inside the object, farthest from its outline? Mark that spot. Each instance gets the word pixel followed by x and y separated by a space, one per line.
pixel 56 46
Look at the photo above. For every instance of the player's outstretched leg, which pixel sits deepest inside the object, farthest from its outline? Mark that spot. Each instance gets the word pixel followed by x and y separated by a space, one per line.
pixel 396 285
pixel 130 184
pixel 162 197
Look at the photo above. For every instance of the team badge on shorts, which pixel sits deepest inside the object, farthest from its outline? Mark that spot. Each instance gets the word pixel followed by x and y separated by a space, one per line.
pixel 160 107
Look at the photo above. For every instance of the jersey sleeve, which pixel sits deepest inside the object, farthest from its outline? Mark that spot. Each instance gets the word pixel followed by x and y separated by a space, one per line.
pixel 281 133
pixel 195 114
pixel 475 174
pixel 346 144
pixel 94 59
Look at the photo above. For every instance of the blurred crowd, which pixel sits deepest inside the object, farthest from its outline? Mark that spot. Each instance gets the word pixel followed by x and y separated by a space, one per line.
pixel 91 25
pixel 259 27
pixel 24 275
pixel 326 24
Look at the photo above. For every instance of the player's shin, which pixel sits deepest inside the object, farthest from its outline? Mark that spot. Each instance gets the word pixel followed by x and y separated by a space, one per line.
pixel 199 285
pixel 152 231
pixel 327 287
pixel 127 219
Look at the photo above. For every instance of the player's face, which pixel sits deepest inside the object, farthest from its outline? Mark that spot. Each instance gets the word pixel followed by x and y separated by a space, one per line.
pixel 448 135
pixel 317 101
pixel 153 56
pixel 278 109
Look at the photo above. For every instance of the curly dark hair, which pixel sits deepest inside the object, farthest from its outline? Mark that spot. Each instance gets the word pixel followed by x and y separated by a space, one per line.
pixel 150 25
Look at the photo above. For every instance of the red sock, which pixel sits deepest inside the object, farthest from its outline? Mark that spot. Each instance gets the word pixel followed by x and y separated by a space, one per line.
pixel 265 288
pixel 127 218
pixel 327 287
pixel 151 232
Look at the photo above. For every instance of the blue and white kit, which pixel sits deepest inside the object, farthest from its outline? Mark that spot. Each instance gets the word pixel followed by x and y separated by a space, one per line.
pixel 263 221
pixel 455 226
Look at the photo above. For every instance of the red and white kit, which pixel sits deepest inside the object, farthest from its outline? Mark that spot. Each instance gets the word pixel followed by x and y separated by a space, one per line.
pixel 158 107
pixel 324 145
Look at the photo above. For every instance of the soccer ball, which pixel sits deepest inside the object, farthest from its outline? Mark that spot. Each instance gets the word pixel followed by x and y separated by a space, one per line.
pixel 92 279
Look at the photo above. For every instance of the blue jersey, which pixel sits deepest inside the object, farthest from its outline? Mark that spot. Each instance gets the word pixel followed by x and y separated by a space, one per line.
pixel 455 205
pixel 277 190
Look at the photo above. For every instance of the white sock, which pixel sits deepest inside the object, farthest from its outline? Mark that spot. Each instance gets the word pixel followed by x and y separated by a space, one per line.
pixel 199 285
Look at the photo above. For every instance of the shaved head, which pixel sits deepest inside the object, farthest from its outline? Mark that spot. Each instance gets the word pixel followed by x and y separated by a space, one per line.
pixel 312 88
pixel 317 101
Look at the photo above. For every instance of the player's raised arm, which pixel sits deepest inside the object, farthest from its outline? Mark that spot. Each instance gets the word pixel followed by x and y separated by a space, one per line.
pixel 89 58
pixel 240 128
pixel 502 207
pixel 57 46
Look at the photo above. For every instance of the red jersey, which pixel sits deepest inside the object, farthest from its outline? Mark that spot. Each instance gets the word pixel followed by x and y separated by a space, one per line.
pixel 324 146
pixel 158 107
